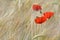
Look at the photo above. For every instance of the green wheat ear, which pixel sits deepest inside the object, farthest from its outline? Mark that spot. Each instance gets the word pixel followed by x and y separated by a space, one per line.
pixel 42 37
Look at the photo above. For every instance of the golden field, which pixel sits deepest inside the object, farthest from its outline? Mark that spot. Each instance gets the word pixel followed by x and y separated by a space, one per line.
pixel 16 20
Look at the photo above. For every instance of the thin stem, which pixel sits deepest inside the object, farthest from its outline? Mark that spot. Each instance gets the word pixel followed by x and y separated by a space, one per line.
pixel 40 11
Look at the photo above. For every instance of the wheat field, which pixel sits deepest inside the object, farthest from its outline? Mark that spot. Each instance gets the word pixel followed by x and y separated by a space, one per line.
pixel 16 20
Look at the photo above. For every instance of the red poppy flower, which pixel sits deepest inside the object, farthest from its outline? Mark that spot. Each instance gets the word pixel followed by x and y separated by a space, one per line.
pixel 40 20
pixel 48 14
pixel 36 7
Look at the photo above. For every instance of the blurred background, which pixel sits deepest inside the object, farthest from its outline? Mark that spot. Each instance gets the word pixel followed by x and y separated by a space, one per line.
pixel 17 20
